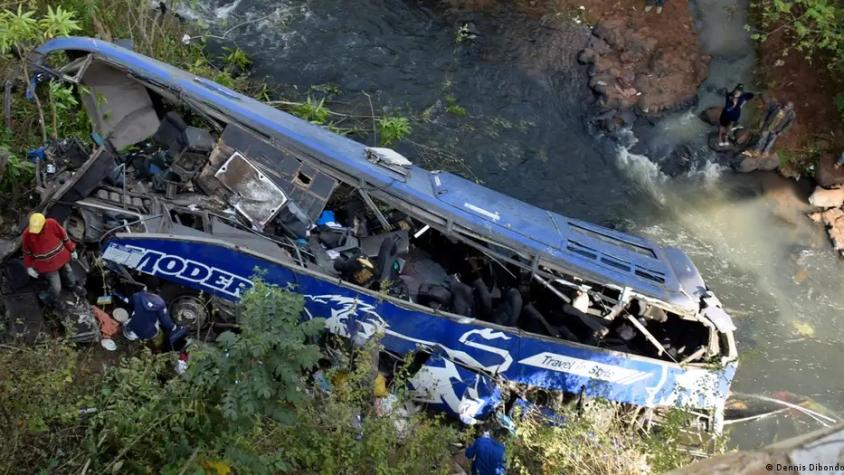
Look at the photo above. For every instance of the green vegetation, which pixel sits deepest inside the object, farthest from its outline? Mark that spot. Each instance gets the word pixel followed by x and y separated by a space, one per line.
pixel 391 129
pixel 312 110
pixel 814 26
pixel 16 173
pixel 237 59
pixel 464 33
pixel 245 405
pixel 596 439
pixel 453 107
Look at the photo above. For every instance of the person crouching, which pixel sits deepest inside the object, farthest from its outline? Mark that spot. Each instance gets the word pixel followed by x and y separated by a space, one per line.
pixel 149 322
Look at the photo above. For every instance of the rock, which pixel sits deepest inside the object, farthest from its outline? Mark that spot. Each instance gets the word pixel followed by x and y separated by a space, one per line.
pixel 826 173
pixel 599 46
pixel 754 163
pixel 635 70
pixel 742 137
pixel 586 56
pixel 789 171
pixel 833 218
pixel 612 121
pixel 827 198
pixel 711 116
pixel 769 162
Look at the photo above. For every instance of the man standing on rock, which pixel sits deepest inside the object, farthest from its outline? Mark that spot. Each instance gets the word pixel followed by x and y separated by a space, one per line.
pixel 732 113
pixel 650 4
pixel 47 250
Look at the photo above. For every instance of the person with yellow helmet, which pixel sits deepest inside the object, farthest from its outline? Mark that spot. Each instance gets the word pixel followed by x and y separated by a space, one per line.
pixel 47 250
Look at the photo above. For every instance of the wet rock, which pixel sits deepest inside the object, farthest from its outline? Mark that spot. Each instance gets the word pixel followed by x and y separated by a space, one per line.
pixel 586 56
pixel 762 162
pixel 630 69
pixel 826 173
pixel 612 121
pixel 742 137
pixel 712 115
pixel 834 220
pixel 827 198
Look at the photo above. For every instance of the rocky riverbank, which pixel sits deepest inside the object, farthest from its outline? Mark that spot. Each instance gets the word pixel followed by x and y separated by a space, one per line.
pixel 632 67
pixel 647 64
pixel 811 146
pixel 830 202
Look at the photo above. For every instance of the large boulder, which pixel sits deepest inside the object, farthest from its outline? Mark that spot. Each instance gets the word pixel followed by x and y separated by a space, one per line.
pixel 833 218
pixel 761 162
pixel 631 69
pixel 712 115
pixel 827 198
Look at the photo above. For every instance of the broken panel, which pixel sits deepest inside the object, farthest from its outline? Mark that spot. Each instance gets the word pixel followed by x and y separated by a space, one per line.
pixel 254 195
pixel 303 184
pixel 120 108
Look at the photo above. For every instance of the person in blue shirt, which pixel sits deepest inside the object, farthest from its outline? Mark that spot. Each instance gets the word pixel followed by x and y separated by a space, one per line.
pixel 149 320
pixel 731 113
pixel 487 456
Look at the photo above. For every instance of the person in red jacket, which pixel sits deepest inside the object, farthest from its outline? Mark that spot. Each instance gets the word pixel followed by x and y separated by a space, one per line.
pixel 47 250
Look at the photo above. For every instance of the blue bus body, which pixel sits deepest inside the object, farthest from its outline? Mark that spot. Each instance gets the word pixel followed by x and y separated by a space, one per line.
pixel 455 207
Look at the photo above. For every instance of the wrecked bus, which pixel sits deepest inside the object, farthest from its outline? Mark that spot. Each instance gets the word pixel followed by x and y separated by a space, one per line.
pixel 376 244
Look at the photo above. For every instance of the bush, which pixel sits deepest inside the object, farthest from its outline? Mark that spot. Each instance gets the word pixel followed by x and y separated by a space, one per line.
pixel 244 405
pixel 340 432
pixel 596 439
pixel 39 403
pixel 392 129
pixel 814 26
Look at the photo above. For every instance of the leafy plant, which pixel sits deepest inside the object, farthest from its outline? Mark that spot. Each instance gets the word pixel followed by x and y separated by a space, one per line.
pixel 391 129
pixel 17 29
pixel 464 33
pixel 58 22
pixel 311 110
pixel 63 104
pixel 258 372
pixel 452 107
pixel 16 175
pixel 237 58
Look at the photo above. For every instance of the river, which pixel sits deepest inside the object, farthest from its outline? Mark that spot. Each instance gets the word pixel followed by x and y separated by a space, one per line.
pixel 524 133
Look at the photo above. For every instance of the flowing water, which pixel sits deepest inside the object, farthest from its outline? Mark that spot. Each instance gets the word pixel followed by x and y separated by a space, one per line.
pixel 524 133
